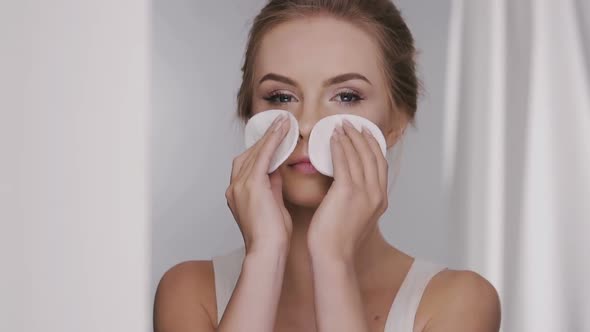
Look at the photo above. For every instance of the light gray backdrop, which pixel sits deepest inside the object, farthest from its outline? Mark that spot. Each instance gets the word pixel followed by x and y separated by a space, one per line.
pixel 198 49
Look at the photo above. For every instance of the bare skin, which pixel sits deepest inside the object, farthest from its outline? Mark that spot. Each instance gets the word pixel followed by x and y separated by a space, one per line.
pixel 316 260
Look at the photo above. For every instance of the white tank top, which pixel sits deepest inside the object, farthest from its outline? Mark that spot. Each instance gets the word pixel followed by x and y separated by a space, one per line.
pixel 227 269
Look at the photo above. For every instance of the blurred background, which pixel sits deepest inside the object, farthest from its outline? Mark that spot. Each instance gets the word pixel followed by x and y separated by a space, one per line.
pixel 118 127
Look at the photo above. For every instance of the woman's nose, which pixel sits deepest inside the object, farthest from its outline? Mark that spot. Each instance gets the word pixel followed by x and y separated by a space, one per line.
pixel 307 120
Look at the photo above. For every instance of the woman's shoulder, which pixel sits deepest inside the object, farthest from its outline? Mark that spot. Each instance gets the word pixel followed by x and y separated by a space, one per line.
pixel 186 295
pixel 459 300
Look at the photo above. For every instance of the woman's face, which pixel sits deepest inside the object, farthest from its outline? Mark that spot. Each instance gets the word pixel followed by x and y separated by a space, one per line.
pixel 315 67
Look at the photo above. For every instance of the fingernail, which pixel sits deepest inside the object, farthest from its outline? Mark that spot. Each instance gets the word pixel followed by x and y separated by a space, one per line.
pixel 334 136
pixel 279 123
pixel 347 123
pixel 276 120
pixel 366 131
pixel 335 133
pixel 339 129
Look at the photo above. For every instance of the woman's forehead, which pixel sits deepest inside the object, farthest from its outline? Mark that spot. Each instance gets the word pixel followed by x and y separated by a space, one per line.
pixel 318 46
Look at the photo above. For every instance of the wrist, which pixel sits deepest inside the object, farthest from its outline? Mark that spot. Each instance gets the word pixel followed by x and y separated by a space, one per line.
pixel 322 256
pixel 268 249
pixel 324 252
pixel 265 261
pixel 332 266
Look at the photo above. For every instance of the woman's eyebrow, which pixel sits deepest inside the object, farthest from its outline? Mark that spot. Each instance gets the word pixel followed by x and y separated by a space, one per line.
pixel 279 78
pixel 346 77
pixel 334 80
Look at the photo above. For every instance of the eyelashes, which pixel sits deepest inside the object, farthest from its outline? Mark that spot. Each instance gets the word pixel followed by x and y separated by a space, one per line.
pixel 349 97
pixel 346 98
pixel 277 97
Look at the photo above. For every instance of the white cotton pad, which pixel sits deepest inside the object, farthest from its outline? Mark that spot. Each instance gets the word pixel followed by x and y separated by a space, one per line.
pixel 319 141
pixel 257 126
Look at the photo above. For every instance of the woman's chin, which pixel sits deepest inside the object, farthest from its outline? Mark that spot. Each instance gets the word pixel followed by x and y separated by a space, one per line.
pixel 307 192
pixel 309 201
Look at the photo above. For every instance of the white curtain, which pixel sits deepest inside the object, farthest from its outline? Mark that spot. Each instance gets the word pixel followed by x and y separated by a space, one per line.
pixel 517 149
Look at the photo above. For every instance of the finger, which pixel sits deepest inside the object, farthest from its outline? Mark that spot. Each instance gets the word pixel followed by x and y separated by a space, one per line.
pixel 247 162
pixel 354 163
pixel 255 149
pixel 276 185
pixel 381 161
pixel 268 148
pixel 366 155
pixel 249 159
pixel 269 131
pixel 237 164
pixel 339 162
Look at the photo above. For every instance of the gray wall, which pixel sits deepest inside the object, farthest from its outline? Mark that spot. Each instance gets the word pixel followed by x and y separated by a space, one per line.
pixel 74 230
pixel 198 48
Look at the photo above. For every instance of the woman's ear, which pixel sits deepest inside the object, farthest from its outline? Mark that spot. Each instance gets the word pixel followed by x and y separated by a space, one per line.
pixel 398 123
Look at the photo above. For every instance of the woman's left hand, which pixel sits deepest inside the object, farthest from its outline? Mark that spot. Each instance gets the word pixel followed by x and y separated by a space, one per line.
pixel 356 199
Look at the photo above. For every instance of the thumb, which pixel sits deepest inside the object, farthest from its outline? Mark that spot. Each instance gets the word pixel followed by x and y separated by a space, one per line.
pixel 276 185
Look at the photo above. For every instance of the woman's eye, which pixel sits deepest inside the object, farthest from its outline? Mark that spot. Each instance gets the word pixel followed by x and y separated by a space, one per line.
pixel 279 98
pixel 348 97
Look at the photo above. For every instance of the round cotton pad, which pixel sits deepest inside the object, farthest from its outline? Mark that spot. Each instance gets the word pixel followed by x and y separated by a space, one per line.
pixel 257 126
pixel 319 140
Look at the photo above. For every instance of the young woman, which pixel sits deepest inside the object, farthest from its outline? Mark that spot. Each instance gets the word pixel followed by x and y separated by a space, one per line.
pixel 314 258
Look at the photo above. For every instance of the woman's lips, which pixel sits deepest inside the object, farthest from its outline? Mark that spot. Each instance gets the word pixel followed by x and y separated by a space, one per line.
pixel 304 167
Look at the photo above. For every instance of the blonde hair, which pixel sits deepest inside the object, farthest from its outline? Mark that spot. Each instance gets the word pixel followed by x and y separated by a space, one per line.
pixel 381 17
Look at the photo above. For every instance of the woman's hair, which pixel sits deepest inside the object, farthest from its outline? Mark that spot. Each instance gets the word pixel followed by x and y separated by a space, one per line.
pixel 380 17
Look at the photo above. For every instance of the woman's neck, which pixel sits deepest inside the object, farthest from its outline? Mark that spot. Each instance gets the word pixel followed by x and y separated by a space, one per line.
pixel 298 277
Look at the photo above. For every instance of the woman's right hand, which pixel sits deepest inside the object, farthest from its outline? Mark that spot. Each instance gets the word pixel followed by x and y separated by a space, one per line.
pixel 255 197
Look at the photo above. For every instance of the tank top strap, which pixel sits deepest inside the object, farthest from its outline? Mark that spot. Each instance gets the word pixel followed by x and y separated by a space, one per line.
pixel 403 310
pixel 401 316
pixel 226 270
